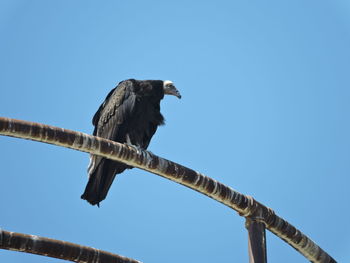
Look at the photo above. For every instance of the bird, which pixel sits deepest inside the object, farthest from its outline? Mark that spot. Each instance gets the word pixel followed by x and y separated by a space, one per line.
pixel 130 114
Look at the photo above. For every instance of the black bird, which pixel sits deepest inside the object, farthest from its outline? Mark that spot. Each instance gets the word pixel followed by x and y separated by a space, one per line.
pixel 130 114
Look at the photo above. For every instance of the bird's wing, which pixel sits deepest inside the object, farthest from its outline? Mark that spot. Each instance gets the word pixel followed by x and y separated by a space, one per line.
pixel 115 110
pixel 112 116
pixel 96 117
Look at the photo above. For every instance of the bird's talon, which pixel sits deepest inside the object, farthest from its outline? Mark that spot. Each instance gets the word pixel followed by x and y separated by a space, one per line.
pixel 136 148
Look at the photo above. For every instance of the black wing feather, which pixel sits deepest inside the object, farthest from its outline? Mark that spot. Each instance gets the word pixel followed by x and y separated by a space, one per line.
pixel 110 121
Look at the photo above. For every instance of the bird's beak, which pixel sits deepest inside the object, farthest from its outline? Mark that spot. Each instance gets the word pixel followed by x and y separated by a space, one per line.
pixel 171 90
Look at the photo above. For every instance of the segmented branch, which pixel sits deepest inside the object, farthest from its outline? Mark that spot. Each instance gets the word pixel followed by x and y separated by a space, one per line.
pixel 58 249
pixel 245 205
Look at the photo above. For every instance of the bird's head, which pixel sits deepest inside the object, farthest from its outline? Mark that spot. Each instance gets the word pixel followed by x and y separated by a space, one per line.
pixel 170 89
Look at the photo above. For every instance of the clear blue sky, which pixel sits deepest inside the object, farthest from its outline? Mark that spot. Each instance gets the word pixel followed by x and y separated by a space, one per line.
pixel 265 110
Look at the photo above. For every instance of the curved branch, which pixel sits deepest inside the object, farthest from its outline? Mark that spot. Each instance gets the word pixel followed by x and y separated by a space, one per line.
pixel 57 249
pixel 245 205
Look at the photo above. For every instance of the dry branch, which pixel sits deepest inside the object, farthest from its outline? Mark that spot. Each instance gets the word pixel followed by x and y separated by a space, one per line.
pixel 57 249
pixel 245 205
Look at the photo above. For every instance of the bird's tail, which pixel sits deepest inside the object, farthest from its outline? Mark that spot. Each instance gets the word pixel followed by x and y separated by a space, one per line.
pixel 101 178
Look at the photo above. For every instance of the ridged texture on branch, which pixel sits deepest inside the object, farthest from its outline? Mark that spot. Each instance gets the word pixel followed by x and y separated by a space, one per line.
pixel 245 205
pixel 58 249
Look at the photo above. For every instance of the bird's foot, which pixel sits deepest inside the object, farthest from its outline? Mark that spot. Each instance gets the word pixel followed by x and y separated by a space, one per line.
pixel 137 148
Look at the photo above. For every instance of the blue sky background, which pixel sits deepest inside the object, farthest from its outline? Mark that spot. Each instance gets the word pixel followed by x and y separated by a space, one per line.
pixel 265 110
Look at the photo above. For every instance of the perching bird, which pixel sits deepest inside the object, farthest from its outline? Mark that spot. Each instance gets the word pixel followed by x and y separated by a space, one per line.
pixel 130 114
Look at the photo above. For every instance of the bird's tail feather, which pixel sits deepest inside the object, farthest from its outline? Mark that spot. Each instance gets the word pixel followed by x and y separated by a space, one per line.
pixel 100 179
